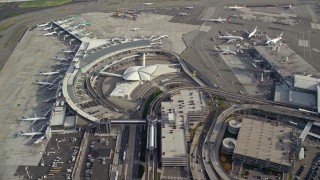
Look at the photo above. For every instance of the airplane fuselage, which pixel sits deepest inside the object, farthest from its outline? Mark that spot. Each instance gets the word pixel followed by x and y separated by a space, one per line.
pixel 231 37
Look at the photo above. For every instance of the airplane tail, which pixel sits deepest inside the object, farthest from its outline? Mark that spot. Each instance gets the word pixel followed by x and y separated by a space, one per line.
pixel 280 35
pixel 228 18
pixel 37 80
pixel 220 34
pixel 244 6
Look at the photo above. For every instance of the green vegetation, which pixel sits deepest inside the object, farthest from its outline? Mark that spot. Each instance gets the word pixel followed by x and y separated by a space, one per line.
pixel 2 5
pixel 141 171
pixel 43 3
pixel 158 176
pixel 14 13
pixel 150 99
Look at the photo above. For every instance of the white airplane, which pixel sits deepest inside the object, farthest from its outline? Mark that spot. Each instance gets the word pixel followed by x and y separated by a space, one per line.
pixel 236 7
pixel 49 73
pixel 251 33
pixel 49 84
pixel 220 20
pixel 290 6
pixel 57 79
pixel 184 14
pixel 190 7
pixel 33 119
pixel 148 4
pixel 39 140
pixel 29 134
pixel 50 33
pixel 70 50
pixel 48 28
pixel 230 37
pixel 135 29
pixel 273 41
pixel 61 59
pixel 43 25
pixel 226 51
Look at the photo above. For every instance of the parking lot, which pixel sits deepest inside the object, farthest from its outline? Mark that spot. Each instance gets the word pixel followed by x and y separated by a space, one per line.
pixel 303 168
pixel 58 159
pixel 98 157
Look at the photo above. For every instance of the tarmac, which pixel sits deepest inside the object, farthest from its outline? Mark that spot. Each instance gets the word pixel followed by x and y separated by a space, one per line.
pixel 22 98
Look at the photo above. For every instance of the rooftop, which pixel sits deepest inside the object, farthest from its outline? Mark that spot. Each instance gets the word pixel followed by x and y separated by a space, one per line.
pixel 262 140
pixel 306 82
pixel 173 142
pixel 302 98
pixel 286 61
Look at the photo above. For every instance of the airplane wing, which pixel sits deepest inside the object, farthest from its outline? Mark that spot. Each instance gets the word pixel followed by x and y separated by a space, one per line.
pixel 228 34
pixel 231 40
pixel 267 37
pixel 233 52
pixel 245 31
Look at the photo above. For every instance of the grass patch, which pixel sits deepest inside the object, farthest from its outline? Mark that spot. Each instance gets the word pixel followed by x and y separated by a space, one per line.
pixel 42 3
pixel 141 171
pixel 14 13
pixel 150 99
pixel 158 176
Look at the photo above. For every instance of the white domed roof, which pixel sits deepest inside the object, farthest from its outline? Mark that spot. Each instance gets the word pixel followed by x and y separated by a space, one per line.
pixel 139 73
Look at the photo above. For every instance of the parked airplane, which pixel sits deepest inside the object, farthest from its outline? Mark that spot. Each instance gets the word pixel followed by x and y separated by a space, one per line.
pixel 57 79
pixel 236 7
pixel 39 140
pixel 229 37
pixel 29 134
pixel 43 25
pixel 252 33
pixel 273 41
pixel 190 7
pixel 219 20
pixel 226 51
pixel 49 84
pixel 50 33
pixel 135 29
pixel 48 28
pixel 61 59
pixel 290 6
pixel 49 73
pixel 74 50
pixel 184 14
pixel 148 4
pixel 33 119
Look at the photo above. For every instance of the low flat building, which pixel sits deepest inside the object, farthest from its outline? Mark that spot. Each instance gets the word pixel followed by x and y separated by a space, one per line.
pixel 265 144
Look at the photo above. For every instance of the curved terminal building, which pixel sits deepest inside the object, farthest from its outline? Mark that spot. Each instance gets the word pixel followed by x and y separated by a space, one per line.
pixel 96 78
pixel 228 145
pixel 234 126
